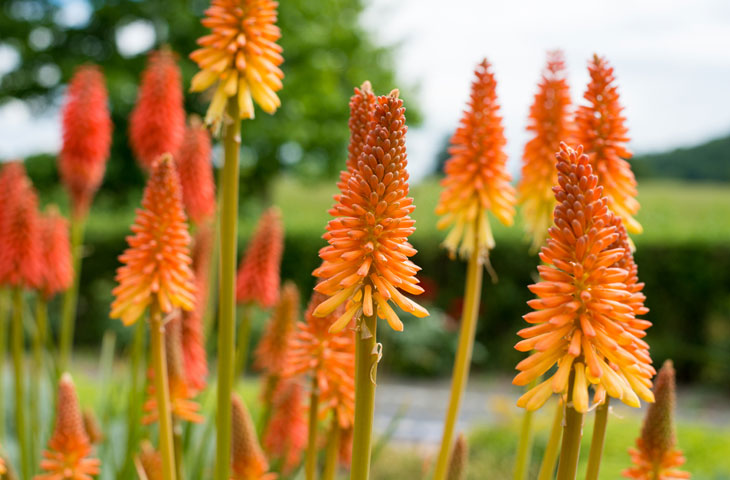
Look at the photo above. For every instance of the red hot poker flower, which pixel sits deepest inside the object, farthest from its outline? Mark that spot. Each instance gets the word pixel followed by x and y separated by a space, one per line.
pixel 476 175
pixel 258 275
pixel 69 446
pixel 20 243
pixel 271 352
pixel 57 266
pixel 248 461
pixel 157 123
pixel 156 266
pixel 87 136
pixel 286 432
pixel 584 318
pixel 550 124
pixel 366 262
pixel 196 172
pixel 656 456
pixel 601 130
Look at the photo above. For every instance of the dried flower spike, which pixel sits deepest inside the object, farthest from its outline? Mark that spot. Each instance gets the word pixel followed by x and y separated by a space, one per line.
pixel 195 166
pixel 550 123
pixel 258 275
pixel 476 175
pixel 69 446
pixel 656 456
pixel 585 314
pixel 57 266
pixel 156 266
pixel 286 432
pixel 601 131
pixel 87 136
pixel 366 262
pixel 157 123
pixel 248 461
pixel 242 55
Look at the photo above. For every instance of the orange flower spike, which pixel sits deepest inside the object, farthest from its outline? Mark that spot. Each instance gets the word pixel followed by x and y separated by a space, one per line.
pixel 286 433
pixel 87 137
pixel 157 123
pixel 258 274
pixel 69 446
pixel 476 174
pixel 602 131
pixel 584 319
pixel 271 352
pixel 656 456
pixel 149 463
pixel 366 262
pixel 156 266
pixel 550 123
pixel 241 55
pixel 315 351
pixel 21 254
pixel 195 166
pixel 248 461
pixel 57 266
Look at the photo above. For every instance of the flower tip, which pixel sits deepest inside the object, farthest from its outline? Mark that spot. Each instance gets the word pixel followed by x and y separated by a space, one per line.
pixel 394 94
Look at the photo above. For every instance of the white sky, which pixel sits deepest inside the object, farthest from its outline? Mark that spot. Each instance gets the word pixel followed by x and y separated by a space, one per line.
pixel 672 61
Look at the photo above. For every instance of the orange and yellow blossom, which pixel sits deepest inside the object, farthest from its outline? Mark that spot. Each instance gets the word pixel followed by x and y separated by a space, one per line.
pixel 585 314
pixel 366 262
pixel 603 134
pixel 286 431
pixel 476 173
pixel 156 266
pixel 69 447
pixel 241 55
pixel 550 123
pixel 248 461
pixel 656 456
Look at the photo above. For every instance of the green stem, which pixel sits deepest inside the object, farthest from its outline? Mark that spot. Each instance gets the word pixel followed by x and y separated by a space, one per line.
pixel 599 437
pixel 460 375
pixel 39 339
pixel 4 308
pixel 227 290
pixel 213 280
pixel 178 442
pixel 333 449
pixel 366 368
pixel 550 459
pixel 162 392
pixel 522 464
pixel 134 408
pixel 70 297
pixel 572 434
pixel 244 333
pixel 311 460
pixel 17 346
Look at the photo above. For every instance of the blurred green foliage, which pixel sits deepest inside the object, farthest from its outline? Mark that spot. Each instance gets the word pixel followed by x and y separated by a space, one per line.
pixel 327 52
pixel 709 161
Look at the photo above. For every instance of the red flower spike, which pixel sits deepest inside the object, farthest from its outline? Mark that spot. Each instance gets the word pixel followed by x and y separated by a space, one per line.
pixel 87 136
pixel 366 262
pixel 69 446
pixel 248 461
pixel 584 318
pixel 195 166
pixel 550 123
pixel 157 123
pixel 271 352
pixel 286 433
pixel 156 266
pixel 656 456
pixel 57 264
pixel 602 132
pixel 476 174
pixel 21 253
pixel 258 274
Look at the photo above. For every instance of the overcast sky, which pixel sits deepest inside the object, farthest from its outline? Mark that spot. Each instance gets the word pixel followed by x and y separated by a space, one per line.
pixel 672 61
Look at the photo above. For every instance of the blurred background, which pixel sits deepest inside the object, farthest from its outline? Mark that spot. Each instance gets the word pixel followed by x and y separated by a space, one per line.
pixel 673 71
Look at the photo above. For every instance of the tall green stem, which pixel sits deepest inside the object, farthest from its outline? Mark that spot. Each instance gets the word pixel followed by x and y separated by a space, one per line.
pixel 550 459
pixel 310 464
pixel 17 346
pixel 213 280
pixel 39 339
pixel 599 437
pixel 70 298
pixel 460 375
pixel 244 333
pixel 522 464
pixel 162 393
pixel 366 368
pixel 227 290
pixel 4 309
pixel 333 449
pixel 572 434
pixel 134 408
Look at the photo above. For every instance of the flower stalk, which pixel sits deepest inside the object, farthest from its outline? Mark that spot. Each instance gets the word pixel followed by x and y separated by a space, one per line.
pixel 522 464
pixel 17 348
pixel 159 364
pixel 71 296
pixel 366 368
pixel 4 309
pixel 599 438
pixel 333 449
pixel 550 458
pixel 244 334
pixel 310 465
pixel 572 434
